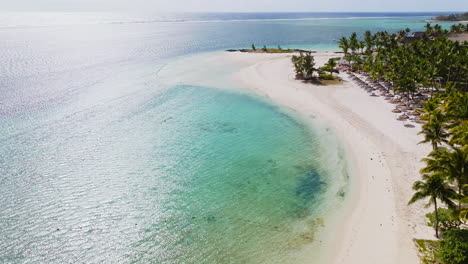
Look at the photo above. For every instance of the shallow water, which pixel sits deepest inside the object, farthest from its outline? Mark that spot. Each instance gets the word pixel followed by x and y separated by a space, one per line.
pixel 104 160
pixel 192 174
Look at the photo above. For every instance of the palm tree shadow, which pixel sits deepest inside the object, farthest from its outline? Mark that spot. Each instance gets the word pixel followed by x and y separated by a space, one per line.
pixel 314 81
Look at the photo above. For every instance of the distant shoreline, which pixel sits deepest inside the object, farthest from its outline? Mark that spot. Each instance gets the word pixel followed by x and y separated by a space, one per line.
pixel 269 50
pixel 446 21
pixel 276 51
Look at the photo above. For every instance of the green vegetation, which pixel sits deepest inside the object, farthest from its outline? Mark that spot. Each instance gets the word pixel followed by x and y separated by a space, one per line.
pixel 432 64
pixel 447 111
pixel 428 61
pixel 452 17
pixel 427 250
pixel 278 50
pixel 265 49
pixel 447 220
pixel 460 28
pixel 329 67
pixel 453 247
pixel 434 188
pixel 304 65
pixel 326 76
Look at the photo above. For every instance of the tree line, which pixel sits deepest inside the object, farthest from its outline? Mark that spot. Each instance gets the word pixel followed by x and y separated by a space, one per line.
pixel 408 66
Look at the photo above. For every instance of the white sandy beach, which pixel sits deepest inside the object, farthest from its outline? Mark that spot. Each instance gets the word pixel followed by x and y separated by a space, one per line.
pixel 383 154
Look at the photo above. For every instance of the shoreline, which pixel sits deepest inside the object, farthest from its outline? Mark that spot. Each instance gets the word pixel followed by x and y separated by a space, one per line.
pixel 379 226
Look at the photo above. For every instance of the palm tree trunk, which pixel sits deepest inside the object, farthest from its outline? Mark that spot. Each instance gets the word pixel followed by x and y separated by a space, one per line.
pixel 460 193
pixel 436 218
pixel 434 146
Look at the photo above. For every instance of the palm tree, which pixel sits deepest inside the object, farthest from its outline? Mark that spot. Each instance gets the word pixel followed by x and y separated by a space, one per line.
pixel 434 132
pixel 353 42
pixel 453 165
pixel 344 45
pixel 464 212
pixel 435 188
pixel 459 134
pixel 464 200
pixel 369 41
pixel 428 28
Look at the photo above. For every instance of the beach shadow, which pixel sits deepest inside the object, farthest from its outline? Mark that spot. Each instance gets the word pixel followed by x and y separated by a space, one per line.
pixel 313 81
pixel 409 125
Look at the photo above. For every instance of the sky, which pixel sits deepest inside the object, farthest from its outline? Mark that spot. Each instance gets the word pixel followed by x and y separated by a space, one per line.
pixel 158 6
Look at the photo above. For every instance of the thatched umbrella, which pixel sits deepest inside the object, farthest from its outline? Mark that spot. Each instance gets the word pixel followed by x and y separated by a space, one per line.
pixel 401 104
pixel 396 110
pixel 407 108
pixel 415 113
pixel 403 117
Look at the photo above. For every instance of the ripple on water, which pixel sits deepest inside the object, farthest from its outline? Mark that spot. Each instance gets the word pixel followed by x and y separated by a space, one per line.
pixel 227 178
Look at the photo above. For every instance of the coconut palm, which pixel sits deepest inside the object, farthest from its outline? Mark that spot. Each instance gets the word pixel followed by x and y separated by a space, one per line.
pixel 434 132
pixel 464 200
pixel 344 45
pixel 459 134
pixel 353 42
pixel 434 187
pixel 369 41
pixel 452 164
pixel 464 212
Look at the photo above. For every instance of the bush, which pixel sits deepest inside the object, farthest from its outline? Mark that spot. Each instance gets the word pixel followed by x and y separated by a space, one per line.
pixel 326 76
pixel 447 219
pixel 454 247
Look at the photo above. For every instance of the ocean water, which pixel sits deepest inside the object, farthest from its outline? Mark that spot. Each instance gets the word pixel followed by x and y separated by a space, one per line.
pixel 102 159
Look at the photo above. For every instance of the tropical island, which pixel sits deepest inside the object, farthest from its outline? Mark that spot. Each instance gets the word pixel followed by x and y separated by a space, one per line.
pixel 452 17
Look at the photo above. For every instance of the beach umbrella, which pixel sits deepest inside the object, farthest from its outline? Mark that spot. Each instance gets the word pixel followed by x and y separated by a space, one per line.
pixel 415 113
pixel 407 108
pixel 396 111
pixel 403 117
pixel 402 104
